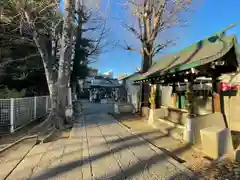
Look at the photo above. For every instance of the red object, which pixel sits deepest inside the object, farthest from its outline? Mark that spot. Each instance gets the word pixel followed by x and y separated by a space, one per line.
pixel 235 87
pixel 225 86
pixel 228 87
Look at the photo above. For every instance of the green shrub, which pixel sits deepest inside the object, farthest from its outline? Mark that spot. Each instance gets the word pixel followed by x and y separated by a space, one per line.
pixel 6 93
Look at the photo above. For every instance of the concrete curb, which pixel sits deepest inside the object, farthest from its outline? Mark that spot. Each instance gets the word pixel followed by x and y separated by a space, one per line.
pixel 18 141
pixel 158 151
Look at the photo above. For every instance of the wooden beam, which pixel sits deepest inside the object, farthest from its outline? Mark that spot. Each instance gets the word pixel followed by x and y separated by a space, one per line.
pixel 216 94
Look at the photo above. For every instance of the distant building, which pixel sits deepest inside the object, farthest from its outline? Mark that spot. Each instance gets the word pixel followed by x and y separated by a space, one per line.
pixel 96 80
pixel 92 72
pixel 132 90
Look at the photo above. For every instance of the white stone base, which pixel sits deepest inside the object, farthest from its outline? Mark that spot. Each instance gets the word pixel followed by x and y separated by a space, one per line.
pixel 123 108
pixel 116 109
pixel 216 141
pixel 151 116
pixel 188 135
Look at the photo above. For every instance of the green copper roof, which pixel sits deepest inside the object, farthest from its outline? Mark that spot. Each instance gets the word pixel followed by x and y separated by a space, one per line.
pixel 133 76
pixel 200 53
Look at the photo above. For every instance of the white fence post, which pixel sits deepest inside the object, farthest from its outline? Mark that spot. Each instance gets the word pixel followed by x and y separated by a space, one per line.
pixel 47 104
pixel 12 115
pixel 35 108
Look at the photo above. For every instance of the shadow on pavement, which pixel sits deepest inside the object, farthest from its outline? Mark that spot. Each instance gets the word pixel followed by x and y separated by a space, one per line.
pixel 119 144
pixel 140 166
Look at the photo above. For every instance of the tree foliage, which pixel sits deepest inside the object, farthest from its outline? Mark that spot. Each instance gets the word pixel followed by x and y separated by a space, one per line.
pixel 21 67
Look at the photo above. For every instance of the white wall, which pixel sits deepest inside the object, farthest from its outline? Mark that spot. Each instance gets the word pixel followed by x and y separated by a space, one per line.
pixel 166 96
pixel 133 93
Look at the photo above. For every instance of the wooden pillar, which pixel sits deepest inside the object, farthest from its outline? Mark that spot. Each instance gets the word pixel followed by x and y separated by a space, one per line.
pixel 174 96
pixel 158 103
pixel 144 101
pixel 190 96
pixel 216 94
pixel 153 96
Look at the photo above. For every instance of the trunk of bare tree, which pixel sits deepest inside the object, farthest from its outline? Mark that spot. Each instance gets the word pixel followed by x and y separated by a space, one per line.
pixel 75 77
pixel 58 83
pixel 47 59
pixel 145 89
pixel 65 60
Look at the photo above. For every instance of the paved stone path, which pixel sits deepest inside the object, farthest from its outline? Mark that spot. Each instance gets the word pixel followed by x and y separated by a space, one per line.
pixel 98 148
pixel 10 159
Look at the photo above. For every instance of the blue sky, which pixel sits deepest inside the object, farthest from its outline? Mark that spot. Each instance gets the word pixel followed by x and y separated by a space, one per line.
pixel 208 17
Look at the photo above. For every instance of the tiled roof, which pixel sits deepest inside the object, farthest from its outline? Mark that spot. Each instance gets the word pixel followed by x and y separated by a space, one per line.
pixel 202 52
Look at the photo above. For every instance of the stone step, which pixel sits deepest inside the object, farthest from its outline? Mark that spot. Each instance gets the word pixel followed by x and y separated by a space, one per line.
pixel 175 131
pixel 170 123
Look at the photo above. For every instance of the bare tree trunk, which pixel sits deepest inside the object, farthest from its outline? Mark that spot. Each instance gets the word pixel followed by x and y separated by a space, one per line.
pixel 40 42
pixel 48 60
pixel 75 77
pixel 58 83
pixel 145 89
pixel 65 60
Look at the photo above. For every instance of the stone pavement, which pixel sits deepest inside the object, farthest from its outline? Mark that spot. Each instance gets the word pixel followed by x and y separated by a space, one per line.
pixel 178 149
pixel 10 158
pixel 98 148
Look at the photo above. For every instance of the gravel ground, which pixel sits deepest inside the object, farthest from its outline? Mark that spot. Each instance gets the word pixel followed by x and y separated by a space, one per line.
pixel 224 170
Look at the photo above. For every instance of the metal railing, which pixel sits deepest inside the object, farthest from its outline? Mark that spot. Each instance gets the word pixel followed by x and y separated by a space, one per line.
pixel 18 112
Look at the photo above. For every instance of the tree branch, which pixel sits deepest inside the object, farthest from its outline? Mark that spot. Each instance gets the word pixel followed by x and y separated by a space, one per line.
pixel 160 47
pixel 134 31
pixel 8 61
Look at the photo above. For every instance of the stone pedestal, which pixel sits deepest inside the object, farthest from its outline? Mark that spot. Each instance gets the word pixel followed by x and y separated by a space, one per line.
pixel 216 141
pixel 145 112
pixel 188 135
pixel 151 116
pixel 116 109
pixel 123 108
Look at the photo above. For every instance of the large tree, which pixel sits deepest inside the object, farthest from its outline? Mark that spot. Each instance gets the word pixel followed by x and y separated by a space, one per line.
pixel 52 33
pixel 150 22
pixel 40 21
